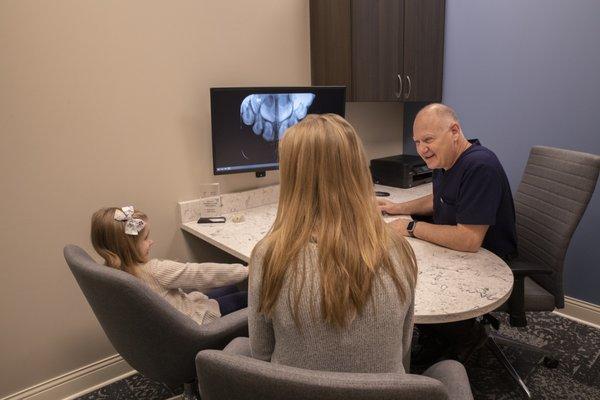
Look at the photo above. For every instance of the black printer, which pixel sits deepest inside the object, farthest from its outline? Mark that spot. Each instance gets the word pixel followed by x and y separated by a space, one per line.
pixel 403 171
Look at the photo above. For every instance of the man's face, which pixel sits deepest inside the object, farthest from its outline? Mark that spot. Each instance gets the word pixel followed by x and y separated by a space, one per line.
pixel 436 142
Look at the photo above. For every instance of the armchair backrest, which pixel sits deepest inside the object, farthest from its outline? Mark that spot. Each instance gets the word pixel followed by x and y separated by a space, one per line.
pixel 554 192
pixel 226 376
pixel 149 333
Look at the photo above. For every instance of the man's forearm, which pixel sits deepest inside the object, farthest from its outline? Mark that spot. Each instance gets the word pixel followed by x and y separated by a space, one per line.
pixel 420 206
pixel 455 237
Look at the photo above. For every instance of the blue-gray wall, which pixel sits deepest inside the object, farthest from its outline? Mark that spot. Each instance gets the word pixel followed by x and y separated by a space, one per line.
pixel 523 73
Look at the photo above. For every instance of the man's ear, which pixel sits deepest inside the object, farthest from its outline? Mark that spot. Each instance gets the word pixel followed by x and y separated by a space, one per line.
pixel 455 130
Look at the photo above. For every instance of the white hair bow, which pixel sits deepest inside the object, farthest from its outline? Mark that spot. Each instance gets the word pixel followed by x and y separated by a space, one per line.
pixel 132 225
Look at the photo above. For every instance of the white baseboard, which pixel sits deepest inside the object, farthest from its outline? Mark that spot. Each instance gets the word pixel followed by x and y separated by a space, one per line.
pixel 78 382
pixel 581 311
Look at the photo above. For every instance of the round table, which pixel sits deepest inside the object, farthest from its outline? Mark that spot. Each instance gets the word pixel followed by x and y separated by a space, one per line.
pixel 454 286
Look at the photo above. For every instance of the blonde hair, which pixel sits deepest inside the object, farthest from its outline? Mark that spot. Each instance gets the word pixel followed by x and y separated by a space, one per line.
pixel 327 195
pixel 110 241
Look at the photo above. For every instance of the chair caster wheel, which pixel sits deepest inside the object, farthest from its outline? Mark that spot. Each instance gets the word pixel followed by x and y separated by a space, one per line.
pixel 550 362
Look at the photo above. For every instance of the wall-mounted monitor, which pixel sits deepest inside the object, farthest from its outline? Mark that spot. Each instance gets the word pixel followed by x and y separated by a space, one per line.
pixel 247 123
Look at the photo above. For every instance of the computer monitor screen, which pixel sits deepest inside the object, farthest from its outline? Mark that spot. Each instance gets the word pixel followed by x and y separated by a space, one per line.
pixel 247 123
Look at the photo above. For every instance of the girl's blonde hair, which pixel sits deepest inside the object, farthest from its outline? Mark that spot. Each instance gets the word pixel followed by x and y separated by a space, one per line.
pixel 327 196
pixel 110 241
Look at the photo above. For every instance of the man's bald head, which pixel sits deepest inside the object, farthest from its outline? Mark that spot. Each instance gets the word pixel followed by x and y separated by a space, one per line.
pixel 436 114
pixel 438 136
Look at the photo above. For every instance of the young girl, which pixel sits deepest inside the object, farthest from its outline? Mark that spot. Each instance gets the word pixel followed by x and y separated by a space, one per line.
pixel 121 238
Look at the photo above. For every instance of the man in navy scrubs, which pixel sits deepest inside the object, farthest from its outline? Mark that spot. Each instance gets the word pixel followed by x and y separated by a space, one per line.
pixel 471 205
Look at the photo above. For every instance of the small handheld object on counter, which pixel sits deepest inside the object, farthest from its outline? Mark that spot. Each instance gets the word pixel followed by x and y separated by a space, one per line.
pixel 211 220
pixel 239 217
pixel 381 194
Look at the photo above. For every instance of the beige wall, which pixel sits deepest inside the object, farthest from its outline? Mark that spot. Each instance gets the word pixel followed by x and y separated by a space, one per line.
pixel 106 103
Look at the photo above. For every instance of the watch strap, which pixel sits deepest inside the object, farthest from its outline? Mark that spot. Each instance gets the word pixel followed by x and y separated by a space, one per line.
pixel 410 228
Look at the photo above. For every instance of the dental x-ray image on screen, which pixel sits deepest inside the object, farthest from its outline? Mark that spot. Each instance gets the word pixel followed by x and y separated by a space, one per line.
pixel 271 114
pixel 247 123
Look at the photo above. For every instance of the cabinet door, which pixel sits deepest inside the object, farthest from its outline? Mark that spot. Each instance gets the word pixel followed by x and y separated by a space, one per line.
pixel 330 43
pixel 377 49
pixel 423 49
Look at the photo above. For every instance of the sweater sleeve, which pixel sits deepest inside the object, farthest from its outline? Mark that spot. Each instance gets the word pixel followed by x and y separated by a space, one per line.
pixel 197 276
pixel 407 332
pixel 260 327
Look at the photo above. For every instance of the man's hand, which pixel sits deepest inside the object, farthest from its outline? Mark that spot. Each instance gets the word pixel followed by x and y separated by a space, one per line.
pixel 421 206
pixel 387 207
pixel 399 225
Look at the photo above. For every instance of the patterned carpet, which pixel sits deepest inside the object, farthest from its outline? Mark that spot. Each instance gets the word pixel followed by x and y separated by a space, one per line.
pixel 577 346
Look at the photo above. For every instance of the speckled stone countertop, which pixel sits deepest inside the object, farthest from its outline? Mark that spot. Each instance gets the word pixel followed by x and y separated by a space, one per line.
pixel 452 285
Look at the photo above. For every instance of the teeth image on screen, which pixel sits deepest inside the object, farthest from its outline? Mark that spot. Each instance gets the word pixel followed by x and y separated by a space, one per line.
pixel 271 114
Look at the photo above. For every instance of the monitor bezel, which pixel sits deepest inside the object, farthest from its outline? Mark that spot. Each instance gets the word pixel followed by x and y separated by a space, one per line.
pixel 261 89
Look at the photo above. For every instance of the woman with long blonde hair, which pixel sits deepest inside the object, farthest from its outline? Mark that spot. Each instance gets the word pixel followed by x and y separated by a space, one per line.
pixel 331 285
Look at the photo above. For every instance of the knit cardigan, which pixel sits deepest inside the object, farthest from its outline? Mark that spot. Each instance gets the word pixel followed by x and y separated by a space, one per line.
pixel 182 284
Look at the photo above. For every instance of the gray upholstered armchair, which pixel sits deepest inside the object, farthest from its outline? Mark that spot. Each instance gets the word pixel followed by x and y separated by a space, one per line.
pixel 553 194
pixel 150 334
pixel 232 374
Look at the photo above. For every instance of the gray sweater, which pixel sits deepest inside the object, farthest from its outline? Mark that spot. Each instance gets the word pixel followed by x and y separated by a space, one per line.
pixel 377 340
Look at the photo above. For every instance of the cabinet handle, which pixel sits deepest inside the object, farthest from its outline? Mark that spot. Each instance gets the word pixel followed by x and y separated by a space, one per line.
pixel 409 87
pixel 399 86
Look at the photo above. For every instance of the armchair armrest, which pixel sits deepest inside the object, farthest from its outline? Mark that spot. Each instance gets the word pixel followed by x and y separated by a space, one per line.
pixel 239 346
pixel 223 330
pixel 526 268
pixel 516 303
pixel 453 376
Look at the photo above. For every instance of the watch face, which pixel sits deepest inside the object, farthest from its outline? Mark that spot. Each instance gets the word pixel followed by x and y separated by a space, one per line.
pixel 410 226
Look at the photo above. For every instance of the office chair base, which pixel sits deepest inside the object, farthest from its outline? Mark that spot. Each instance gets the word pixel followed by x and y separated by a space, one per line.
pixel 549 361
pixel 493 346
pixel 495 339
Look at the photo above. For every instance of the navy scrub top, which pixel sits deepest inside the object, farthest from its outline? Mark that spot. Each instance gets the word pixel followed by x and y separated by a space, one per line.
pixel 475 191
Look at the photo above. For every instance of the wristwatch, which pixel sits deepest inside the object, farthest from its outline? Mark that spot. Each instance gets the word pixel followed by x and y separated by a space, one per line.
pixel 410 228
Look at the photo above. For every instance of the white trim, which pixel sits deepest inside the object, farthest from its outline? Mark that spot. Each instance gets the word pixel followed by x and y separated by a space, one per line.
pixel 77 382
pixel 581 311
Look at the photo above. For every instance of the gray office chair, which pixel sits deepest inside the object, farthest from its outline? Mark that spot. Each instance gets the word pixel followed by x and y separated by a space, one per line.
pixel 151 335
pixel 553 194
pixel 232 374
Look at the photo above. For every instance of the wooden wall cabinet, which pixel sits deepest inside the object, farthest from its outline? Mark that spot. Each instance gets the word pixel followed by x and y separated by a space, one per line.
pixel 382 50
